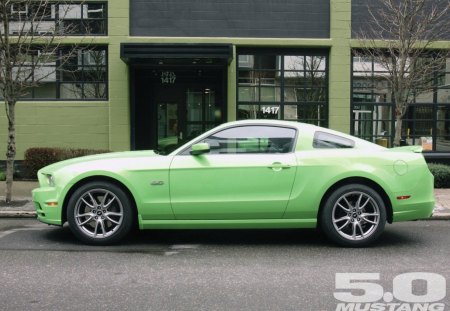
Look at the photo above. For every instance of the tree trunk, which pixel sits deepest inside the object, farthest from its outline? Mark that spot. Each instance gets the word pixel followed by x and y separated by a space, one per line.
pixel 11 150
pixel 398 131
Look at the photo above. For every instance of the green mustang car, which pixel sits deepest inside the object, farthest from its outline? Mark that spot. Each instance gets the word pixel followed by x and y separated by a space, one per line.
pixel 244 174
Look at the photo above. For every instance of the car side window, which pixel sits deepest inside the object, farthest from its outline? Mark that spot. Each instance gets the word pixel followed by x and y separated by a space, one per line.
pixel 324 140
pixel 252 139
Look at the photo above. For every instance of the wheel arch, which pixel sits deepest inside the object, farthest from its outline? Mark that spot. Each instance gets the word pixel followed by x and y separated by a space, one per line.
pixel 358 180
pixel 103 178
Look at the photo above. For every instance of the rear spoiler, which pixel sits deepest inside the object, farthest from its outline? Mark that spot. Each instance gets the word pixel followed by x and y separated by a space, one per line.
pixel 416 149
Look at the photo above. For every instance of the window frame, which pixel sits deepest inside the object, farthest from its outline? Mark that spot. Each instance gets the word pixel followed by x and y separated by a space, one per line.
pixel 59 82
pixel 56 19
pixel 410 120
pixel 282 103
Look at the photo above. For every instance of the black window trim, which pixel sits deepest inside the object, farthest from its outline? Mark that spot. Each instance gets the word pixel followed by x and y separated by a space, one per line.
pixel 104 19
pixel 58 83
pixel 324 52
pixel 434 105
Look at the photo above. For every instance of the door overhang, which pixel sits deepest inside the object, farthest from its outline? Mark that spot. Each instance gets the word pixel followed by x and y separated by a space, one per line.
pixel 176 54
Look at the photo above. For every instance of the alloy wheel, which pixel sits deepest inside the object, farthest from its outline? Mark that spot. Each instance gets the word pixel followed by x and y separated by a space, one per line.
pixel 356 215
pixel 98 213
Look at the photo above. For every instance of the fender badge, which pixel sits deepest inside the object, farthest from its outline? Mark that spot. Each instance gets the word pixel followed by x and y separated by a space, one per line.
pixel 157 183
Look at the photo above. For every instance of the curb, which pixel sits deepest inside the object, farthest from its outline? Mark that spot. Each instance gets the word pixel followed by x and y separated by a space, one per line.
pixel 443 216
pixel 18 214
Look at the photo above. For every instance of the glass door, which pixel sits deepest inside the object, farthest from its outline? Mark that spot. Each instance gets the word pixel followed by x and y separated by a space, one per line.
pixel 202 114
pixel 168 133
pixel 363 124
pixel 171 105
pixel 179 122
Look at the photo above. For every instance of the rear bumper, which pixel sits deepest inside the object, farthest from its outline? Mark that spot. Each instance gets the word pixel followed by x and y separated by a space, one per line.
pixel 421 203
pixel 415 211
pixel 45 213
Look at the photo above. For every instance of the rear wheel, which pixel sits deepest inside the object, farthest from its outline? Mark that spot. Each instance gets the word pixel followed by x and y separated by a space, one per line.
pixel 353 215
pixel 100 213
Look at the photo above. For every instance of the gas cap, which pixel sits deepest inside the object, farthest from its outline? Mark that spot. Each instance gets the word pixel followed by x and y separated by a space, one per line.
pixel 400 167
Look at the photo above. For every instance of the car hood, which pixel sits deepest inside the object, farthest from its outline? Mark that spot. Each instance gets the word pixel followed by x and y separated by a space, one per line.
pixel 99 157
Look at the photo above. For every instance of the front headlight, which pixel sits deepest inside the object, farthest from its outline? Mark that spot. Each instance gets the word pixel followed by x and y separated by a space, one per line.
pixel 50 180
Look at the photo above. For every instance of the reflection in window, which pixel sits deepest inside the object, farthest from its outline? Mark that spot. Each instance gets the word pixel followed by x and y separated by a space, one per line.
pixel 53 18
pixel 82 76
pixel 426 120
pixel 282 85
pixel 324 140
pixel 252 139
pixel 87 72
pixel 202 111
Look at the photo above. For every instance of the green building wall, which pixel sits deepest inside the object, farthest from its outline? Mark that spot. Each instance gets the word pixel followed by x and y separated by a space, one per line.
pixel 340 65
pixel 106 124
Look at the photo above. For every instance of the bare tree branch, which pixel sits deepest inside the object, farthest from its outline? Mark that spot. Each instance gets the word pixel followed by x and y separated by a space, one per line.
pixel 408 31
pixel 32 50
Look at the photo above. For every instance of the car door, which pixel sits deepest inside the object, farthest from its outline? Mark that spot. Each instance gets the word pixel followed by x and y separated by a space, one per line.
pixel 247 174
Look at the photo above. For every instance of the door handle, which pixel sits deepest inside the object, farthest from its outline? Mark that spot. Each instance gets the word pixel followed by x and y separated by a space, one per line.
pixel 278 166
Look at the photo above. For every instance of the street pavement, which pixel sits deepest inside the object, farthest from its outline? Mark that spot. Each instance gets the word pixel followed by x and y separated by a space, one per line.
pixel 46 268
pixel 22 194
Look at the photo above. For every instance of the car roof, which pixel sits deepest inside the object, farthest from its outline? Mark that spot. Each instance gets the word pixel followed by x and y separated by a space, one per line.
pixel 271 122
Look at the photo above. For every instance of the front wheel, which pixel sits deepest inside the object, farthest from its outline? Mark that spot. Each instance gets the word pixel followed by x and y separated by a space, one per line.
pixel 100 213
pixel 353 215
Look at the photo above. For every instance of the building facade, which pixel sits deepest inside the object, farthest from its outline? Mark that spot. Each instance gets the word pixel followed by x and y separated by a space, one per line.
pixel 162 72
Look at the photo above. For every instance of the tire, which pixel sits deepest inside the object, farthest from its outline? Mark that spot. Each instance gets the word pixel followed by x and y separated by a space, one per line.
pixel 100 213
pixel 354 215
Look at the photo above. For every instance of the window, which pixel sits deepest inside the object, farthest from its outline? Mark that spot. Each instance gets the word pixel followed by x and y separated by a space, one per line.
pixel 427 119
pixel 83 76
pixel 19 10
pixel 324 140
pixel 282 84
pixel 67 19
pixel 252 139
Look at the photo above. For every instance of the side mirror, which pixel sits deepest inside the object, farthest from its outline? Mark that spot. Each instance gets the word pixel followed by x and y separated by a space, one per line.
pixel 200 148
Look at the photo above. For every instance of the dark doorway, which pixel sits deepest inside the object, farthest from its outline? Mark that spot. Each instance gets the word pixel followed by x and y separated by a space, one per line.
pixel 171 105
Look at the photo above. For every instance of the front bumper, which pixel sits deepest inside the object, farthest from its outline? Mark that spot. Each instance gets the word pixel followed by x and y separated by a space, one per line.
pixel 49 214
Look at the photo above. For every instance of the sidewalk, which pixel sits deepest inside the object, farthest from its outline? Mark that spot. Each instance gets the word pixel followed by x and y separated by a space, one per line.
pixel 442 205
pixel 24 207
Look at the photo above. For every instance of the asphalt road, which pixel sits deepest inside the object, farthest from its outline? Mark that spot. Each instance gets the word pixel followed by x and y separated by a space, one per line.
pixel 45 268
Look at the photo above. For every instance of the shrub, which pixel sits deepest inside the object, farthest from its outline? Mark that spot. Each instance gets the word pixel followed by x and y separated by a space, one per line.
pixel 441 173
pixel 37 158
pixel 2 176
